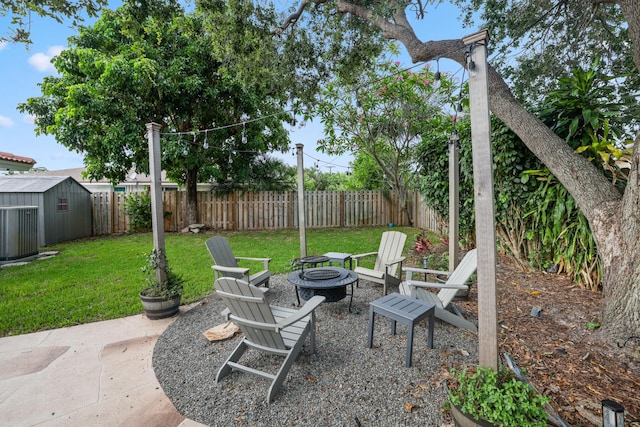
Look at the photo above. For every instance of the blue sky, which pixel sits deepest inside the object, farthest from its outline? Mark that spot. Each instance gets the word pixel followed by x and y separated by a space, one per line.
pixel 22 68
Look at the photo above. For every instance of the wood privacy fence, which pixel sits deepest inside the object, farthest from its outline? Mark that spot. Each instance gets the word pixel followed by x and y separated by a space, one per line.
pixel 269 210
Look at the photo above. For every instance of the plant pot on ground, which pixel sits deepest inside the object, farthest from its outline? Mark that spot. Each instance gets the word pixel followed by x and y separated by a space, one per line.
pixel 483 397
pixel 163 288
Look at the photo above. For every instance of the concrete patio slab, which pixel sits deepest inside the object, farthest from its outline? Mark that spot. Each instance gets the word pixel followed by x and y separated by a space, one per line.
pixel 97 374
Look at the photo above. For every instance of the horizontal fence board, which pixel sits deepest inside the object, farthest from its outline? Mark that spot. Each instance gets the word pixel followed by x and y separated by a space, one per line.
pixel 272 210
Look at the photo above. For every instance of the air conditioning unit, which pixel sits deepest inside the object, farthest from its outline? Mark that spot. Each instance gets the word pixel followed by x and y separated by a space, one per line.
pixel 18 232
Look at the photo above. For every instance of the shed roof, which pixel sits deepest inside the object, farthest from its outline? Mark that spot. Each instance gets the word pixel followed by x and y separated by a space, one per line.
pixel 30 184
pixel 76 173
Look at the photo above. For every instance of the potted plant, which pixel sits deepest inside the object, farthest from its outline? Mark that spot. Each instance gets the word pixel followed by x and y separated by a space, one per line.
pixel 483 397
pixel 160 298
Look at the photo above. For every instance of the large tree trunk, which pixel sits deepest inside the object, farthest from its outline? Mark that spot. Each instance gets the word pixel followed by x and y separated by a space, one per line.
pixel 614 219
pixel 191 186
pixel 620 240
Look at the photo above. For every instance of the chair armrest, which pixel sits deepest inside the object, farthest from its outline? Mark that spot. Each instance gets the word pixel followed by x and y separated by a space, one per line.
pixel 357 257
pixel 306 309
pixel 265 261
pixel 237 270
pixel 427 271
pixel 363 255
pixel 410 270
pixel 218 269
pixel 419 284
pixel 309 306
pixel 395 261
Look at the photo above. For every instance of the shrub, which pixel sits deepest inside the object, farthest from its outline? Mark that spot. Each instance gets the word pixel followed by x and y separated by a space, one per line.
pixel 497 397
pixel 137 207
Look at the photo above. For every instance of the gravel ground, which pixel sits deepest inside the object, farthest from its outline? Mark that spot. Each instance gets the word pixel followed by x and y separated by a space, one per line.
pixel 343 384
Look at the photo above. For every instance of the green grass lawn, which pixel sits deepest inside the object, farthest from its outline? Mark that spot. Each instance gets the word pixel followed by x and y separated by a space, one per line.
pixel 99 279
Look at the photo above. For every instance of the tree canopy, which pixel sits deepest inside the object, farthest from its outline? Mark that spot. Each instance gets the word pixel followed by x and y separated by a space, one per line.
pixel 217 79
pixel 384 117
pixel 20 12
pixel 155 63
pixel 611 213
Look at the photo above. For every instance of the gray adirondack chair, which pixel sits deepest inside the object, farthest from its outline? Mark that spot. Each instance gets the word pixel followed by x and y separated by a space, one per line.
pixel 445 309
pixel 226 264
pixel 388 258
pixel 267 328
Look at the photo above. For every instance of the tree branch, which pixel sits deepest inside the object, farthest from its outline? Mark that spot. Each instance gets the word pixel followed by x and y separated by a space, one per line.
pixel 583 181
pixel 291 20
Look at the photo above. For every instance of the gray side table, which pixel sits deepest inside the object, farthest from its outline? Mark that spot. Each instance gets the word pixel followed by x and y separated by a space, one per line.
pixel 341 258
pixel 400 308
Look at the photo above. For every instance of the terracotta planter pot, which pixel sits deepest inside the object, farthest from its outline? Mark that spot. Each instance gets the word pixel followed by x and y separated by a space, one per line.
pixel 159 307
pixel 463 420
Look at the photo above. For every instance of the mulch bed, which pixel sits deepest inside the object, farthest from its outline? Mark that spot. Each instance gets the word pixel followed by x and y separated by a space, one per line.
pixel 575 366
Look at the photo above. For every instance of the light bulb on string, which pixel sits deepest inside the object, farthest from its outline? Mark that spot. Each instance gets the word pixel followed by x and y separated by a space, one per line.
pixel 437 82
pixel 205 145
pixel 185 150
pixel 244 133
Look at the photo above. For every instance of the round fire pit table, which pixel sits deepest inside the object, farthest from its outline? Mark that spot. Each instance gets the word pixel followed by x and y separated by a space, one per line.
pixel 329 282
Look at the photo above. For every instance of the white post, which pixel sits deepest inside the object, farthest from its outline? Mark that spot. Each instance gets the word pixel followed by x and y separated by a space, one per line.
pixel 483 197
pixel 454 200
pixel 301 207
pixel 157 219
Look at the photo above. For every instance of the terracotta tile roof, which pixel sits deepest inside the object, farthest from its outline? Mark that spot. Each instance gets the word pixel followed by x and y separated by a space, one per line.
pixel 18 159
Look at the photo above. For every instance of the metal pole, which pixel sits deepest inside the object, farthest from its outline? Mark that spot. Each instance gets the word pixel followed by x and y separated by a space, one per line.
pixel 157 220
pixel 301 207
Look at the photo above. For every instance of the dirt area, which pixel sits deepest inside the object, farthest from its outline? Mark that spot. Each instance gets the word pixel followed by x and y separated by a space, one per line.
pixel 577 367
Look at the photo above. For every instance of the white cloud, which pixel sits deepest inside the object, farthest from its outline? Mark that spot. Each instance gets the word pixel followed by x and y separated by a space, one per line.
pixel 5 122
pixel 30 119
pixel 3 44
pixel 55 50
pixel 42 61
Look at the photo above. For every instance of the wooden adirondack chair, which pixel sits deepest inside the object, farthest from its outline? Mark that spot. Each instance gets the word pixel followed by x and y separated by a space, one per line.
pixel 388 258
pixel 227 263
pixel 445 309
pixel 271 329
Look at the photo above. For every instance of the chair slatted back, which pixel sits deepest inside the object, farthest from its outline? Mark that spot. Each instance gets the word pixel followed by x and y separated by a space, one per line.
pixel 251 312
pixel 459 276
pixel 391 246
pixel 222 254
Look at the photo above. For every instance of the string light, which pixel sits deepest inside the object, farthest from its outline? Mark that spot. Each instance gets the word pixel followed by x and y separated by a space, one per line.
pixel 244 133
pixel 244 122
